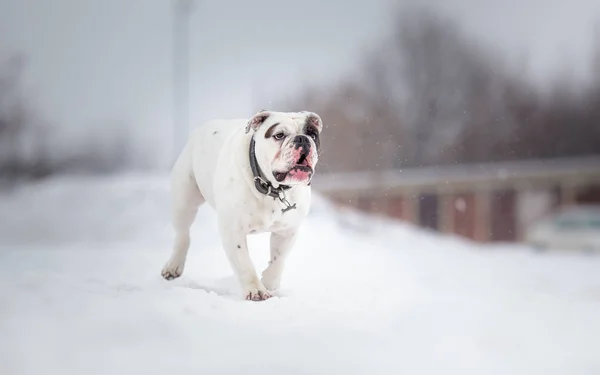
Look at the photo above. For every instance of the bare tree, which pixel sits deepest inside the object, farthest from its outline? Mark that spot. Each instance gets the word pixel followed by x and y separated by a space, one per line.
pixel 427 94
pixel 31 148
pixel 22 136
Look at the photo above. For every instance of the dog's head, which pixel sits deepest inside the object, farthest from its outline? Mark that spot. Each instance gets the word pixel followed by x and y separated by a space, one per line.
pixel 287 145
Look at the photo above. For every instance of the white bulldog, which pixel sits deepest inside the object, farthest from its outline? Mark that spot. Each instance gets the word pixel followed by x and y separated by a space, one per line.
pixel 256 175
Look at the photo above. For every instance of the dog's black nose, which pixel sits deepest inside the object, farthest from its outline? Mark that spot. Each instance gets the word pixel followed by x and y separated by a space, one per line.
pixel 302 140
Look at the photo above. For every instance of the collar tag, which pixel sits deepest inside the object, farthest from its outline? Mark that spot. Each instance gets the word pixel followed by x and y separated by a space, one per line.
pixel 285 202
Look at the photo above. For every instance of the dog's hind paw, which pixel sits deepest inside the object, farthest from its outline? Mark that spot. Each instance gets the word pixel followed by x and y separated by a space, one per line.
pixel 172 271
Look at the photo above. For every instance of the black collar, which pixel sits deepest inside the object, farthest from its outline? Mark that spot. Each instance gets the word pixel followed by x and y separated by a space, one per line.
pixel 263 185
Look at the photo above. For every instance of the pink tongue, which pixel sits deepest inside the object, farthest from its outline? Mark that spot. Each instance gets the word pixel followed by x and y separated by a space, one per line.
pixel 299 174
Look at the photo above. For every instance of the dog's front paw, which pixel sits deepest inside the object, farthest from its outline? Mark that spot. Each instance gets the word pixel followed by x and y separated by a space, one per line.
pixel 271 278
pixel 256 293
pixel 271 283
pixel 172 270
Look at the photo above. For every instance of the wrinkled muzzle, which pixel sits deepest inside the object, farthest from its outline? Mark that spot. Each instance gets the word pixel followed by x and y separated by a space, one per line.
pixel 300 158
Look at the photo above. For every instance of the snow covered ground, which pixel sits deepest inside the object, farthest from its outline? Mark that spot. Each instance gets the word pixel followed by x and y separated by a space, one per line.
pixel 81 293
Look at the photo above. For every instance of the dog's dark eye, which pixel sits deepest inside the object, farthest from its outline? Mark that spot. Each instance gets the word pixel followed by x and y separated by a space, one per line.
pixel 313 136
pixel 279 136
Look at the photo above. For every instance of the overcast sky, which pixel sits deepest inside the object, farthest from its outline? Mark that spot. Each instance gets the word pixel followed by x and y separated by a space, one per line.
pixel 92 61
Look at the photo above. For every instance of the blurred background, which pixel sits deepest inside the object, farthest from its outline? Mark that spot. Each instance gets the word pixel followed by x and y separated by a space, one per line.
pixel 476 118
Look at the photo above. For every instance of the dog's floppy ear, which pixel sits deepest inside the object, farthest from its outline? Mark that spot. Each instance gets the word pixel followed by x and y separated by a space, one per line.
pixel 257 120
pixel 314 120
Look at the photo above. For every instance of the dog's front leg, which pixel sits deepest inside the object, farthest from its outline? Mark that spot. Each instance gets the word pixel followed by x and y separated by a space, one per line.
pixel 236 249
pixel 281 244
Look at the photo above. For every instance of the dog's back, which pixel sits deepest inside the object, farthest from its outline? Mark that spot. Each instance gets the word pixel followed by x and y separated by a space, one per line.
pixel 198 159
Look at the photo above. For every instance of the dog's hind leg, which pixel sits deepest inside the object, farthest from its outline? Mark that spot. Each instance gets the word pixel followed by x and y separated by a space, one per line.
pixel 186 199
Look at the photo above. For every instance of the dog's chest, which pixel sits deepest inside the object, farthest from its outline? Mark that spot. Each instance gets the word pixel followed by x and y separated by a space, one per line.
pixel 270 217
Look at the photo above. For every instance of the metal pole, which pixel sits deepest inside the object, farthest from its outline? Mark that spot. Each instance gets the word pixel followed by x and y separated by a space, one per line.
pixel 180 65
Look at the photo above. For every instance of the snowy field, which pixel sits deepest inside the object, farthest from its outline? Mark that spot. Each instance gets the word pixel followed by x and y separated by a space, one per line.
pixel 81 294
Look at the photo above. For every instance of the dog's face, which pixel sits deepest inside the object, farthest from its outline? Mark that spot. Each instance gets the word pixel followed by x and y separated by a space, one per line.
pixel 287 145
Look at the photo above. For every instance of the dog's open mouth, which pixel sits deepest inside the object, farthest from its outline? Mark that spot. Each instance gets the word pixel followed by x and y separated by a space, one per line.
pixel 297 172
pixel 302 160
